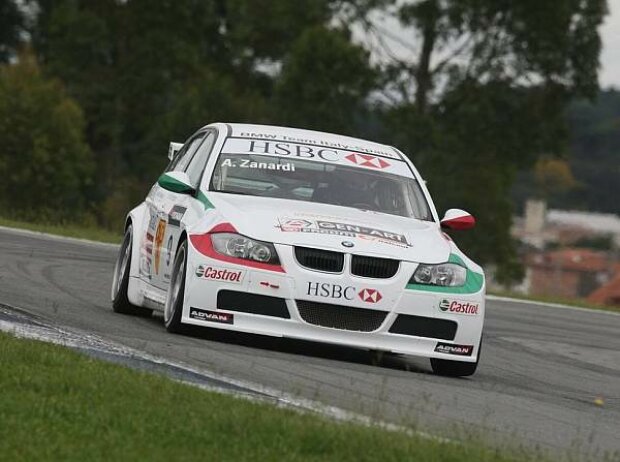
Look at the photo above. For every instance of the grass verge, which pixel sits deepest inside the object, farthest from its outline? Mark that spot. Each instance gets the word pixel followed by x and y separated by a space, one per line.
pixel 57 404
pixel 67 230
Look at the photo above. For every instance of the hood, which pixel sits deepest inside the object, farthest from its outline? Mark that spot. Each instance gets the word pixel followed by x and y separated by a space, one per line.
pixel 325 226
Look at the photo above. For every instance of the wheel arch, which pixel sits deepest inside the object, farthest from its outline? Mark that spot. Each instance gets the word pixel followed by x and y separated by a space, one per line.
pixel 136 218
pixel 182 238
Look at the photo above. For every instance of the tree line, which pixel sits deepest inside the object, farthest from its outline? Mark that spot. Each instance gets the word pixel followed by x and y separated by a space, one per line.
pixel 91 92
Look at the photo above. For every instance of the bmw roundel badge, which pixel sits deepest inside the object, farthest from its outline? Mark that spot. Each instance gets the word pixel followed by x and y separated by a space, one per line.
pixel 348 244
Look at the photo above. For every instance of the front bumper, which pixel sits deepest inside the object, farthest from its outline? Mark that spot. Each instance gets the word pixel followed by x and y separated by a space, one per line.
pixel 388 297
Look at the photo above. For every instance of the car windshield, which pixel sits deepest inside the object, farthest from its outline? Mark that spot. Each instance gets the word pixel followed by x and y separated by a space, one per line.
pixel 312 181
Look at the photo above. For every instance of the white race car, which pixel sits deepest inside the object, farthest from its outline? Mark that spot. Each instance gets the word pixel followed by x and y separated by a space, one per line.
pixel 302 234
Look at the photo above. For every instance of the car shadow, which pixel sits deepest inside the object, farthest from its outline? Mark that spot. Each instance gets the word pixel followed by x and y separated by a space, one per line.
pixel 307 348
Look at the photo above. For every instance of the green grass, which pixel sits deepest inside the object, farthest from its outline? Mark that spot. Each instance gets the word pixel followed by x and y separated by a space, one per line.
pixel 576 302
pixel 57 404
pixel 92 233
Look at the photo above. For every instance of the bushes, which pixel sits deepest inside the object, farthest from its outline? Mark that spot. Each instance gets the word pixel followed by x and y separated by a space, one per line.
pixel 46 166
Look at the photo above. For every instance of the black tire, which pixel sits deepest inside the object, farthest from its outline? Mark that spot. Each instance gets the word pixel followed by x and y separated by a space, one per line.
pixel 449 368
pixel 120 283
pixel 176 292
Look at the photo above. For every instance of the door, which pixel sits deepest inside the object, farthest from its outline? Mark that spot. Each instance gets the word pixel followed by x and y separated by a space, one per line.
pixel 157 262
pixel 177 210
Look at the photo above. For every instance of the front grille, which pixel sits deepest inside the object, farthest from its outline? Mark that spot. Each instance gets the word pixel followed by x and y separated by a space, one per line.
pixel 340 317
pixel 320 260
pixel 232 300
pixel 420 326
pixel 371 267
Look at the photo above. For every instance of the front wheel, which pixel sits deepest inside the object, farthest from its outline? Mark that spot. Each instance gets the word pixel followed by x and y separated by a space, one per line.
pixel 176 292
pixel 451 368
pixel 120 283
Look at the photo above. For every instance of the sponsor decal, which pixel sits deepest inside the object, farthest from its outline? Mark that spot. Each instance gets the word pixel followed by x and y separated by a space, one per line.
pixel 269 285
pixel 320 143
pixel 293 224
pixel 459 307
pixel 384 241
pixel 298 151
pixel 169 250
pixel 451 349
pixel 152 222
pixel 148 246
pixel 366 160
pixel 219 274
pixel 296 225
pixel 338 292
pixel 176 215
pixel 247 163
pixel 158 242
pixel 370 295
pixel 290 151
pixel 145 266
pixel 211 316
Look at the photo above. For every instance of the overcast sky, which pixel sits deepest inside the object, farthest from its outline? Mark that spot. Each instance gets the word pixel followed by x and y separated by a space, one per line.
pixel 610 57
pixel 609 72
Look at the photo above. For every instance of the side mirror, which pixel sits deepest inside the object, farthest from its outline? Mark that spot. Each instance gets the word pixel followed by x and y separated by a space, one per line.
pixel 177 182
pixel 173 149
pixel 458 219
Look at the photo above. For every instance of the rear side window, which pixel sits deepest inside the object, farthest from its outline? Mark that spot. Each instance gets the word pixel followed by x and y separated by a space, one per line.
pixel 197 165
pixel 183 157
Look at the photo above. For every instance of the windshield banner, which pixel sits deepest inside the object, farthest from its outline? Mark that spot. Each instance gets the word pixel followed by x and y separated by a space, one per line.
pixel 328 155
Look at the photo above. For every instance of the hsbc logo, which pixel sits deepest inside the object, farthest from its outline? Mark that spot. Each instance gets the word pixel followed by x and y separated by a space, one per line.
pixel 338 292
pixel 366 160
pixel 370 295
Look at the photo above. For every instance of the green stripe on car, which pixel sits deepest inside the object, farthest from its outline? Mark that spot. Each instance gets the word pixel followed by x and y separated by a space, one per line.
pixel 205 200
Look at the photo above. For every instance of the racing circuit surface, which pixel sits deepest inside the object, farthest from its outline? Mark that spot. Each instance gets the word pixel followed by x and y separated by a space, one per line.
pixel 542 372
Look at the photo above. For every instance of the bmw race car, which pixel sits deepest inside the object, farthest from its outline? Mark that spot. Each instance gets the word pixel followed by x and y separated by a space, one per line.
pixel 302 234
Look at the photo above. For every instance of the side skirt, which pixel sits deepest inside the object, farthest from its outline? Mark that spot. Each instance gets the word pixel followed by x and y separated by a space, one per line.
pixel 141 293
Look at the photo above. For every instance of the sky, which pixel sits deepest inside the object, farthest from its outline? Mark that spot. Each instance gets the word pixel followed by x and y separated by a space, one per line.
pixel 609 74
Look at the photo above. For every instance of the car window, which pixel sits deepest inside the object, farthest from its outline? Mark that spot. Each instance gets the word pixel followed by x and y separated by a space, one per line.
pixel 197 164
pixel 184 155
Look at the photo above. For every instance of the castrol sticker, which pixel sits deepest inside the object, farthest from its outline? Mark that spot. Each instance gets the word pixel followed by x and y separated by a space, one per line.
pixel 214 273
pixel 459 307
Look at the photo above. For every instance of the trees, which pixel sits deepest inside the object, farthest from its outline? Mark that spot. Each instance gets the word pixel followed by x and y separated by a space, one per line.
pixel 482 93
pixel 45 162
pixel 325 82
pixel 477 91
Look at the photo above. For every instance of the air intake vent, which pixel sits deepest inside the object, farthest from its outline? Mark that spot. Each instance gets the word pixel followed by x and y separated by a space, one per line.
pixel 371 267
pixel 231 300
pixel 340 317
pixel 320 260
pixel 420 326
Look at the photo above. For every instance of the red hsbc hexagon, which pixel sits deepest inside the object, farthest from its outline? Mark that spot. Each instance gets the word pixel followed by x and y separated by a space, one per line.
pixel 370 295
pixel 366 160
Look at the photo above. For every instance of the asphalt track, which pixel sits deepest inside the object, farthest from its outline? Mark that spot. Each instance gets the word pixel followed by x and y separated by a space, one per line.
pixel 549 378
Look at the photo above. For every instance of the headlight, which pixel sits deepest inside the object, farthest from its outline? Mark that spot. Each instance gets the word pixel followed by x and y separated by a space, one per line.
pixel 444 274
pixel 238 246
